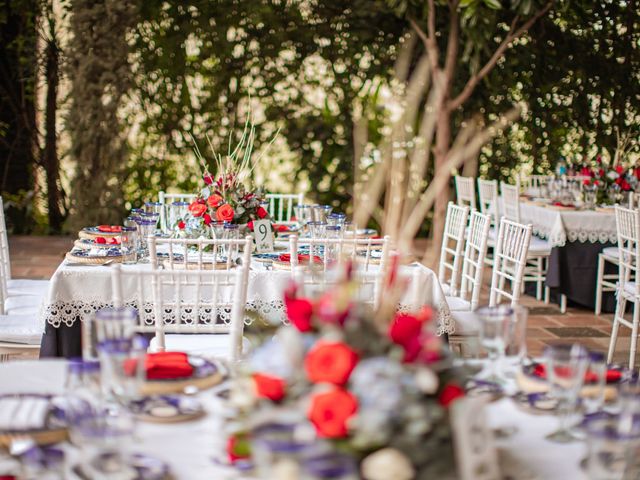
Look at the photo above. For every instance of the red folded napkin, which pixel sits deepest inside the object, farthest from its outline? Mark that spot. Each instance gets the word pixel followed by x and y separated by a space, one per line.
pixel 110 228
pixel 163 366
pixel 280 228
pixel 612 376
pixel 560 204
pixel 302 258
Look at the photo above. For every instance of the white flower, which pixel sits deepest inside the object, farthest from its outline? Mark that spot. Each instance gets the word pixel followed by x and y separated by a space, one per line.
pixel 612 174
pixel 386 464
pixel 427 381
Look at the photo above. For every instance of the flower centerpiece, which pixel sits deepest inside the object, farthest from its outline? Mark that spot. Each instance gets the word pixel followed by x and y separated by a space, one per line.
pixel 371 388
pixel 609 182
pixel 227 195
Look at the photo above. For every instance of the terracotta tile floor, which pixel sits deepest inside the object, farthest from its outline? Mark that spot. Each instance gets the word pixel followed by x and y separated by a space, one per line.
pixel 38 257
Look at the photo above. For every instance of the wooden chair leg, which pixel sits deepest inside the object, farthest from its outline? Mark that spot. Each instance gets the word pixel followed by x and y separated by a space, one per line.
pixel 599 279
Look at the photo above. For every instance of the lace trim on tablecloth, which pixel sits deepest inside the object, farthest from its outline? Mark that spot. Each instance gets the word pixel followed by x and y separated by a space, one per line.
pixel 68 312
pixel 559 239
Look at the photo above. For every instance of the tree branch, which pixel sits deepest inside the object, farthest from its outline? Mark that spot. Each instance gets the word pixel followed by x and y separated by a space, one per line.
pixel 429 39
pixel 452 44
pixel 491 63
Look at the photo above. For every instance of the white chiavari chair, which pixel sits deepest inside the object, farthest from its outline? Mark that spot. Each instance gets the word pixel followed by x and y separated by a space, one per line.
pixel 324 253
pixel 488 196
pixel 465 191
pixel 197 311
pixel 510 259
pixel 166 199
pixel 533 184
pixel 628 289
pixel 539 249
pixel 17 296
pixel 452 246
pixel 19 334
pixel 198 253
pixel 605 282
pixel 472 265
pixel 281 206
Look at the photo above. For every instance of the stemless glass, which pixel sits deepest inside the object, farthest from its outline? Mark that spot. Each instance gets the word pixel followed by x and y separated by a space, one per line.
pixel 177 211
pixel 151 216
pixel 317 229
pixel 566 366
pixel 332 250
pixel 231 231
pixel 146 228
pixel 303 214
pixel 611 447
pixel 593 398
pixel 516 342
pixel 128 244
pixel 154 207
pixel 321 212
pixel 495 323
pixel 337 219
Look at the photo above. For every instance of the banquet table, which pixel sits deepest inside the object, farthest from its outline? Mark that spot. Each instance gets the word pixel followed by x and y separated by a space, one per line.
pixel 577 237
pixel 193 450
pixel 76 292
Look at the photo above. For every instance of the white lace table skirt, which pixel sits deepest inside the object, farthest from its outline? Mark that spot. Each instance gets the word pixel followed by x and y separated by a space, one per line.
pixel 76 292
pixel 561 226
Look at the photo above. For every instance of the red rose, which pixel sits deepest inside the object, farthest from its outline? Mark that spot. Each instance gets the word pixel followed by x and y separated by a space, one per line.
pixel 619 169
pixel 208 179
pixel 206 218
pixel 261 212
pixel 596 182
pixel 299 310
pixel 625 186
pixel 197 209
pixel 330 362
pixel 225 213
pixel 238 448
pixel 330 411
pixel 250 225
pixel 450 393
pixel 101 240
pixel 407 327
pixel 586 182
pixel 599 159
pixel 214 200
pixel 181 225
pixel 268 386
pixel 601 172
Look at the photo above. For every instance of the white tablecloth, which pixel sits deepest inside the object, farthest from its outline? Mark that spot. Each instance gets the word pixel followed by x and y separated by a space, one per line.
pixel 560 226
pixel 76 292
pixel 191 448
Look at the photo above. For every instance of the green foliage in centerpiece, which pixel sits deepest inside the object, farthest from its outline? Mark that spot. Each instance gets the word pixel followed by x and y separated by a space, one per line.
pixel 374 386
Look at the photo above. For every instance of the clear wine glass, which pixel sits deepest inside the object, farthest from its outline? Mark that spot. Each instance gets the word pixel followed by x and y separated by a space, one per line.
pixel 494 333
pixel 566 366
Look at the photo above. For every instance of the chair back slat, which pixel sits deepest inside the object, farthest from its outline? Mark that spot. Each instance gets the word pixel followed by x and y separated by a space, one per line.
pixel 198 253
pixel 510 201
pixel 465 192
pixel 281 206
pixel 488 196
pixel 628 229
pixel 474 258
pixel 510 258
pixel 452 246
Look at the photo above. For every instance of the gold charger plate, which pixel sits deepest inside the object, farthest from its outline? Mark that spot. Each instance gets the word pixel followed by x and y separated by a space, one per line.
pixel 94 260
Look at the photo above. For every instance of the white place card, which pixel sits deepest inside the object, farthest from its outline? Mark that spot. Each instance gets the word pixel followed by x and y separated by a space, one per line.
pixel 263 235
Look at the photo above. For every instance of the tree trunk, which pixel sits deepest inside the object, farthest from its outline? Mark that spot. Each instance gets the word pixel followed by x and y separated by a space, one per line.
pixel 443 142
pixel 50 151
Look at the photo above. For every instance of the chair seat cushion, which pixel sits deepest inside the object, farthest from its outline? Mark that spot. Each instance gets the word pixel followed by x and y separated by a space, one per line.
pixel 216 345
pixel 457 304
pixel 630 288
pixel 465 323
pixel 539 247
pixel 446 288
pixel 610 252
pixel 23 305
pixel 23 286
pixel 21 329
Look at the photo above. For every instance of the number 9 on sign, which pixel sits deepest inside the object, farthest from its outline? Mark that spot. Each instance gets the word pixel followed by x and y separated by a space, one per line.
pixel 263 235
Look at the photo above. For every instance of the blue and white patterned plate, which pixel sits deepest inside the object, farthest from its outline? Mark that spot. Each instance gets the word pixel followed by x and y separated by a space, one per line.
pixel 137 467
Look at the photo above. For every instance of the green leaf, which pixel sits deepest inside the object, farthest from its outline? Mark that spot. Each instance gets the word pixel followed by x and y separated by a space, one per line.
pixel 494 4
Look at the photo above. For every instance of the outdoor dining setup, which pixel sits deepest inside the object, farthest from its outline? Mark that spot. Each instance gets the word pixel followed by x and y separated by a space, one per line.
pixel 269 240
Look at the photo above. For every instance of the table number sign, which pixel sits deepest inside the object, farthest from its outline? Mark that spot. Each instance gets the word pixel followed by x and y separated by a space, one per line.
pixel 263 235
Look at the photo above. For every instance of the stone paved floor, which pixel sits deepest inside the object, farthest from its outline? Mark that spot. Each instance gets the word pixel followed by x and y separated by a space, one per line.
pixel 38 257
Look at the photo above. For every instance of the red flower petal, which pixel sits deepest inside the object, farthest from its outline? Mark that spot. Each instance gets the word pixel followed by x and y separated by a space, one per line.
pixel 330 362
pixel 449 394
pixel 268 386
pixel 330 411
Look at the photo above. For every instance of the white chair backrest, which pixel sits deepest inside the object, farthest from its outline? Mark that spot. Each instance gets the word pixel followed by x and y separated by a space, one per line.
pixel 509 261
pixel 465 191
pixel 366 253
pixel 510 201
pixel 628 227
pixel 167 199
pixel 534 181
pixel 198 254
pixel 5 259
pixel 185 301
pixel 452 246
pixel 488 196
pixel 281 206
pixel 474 256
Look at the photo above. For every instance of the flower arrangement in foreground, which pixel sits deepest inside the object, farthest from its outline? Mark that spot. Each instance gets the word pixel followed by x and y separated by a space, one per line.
pixel 610 181
pixel 225 196
pixel 374 387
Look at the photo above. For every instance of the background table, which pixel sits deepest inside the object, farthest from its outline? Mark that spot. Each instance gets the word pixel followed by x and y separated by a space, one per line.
pixel 76 292
pixel 577 237
pixel 191 448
